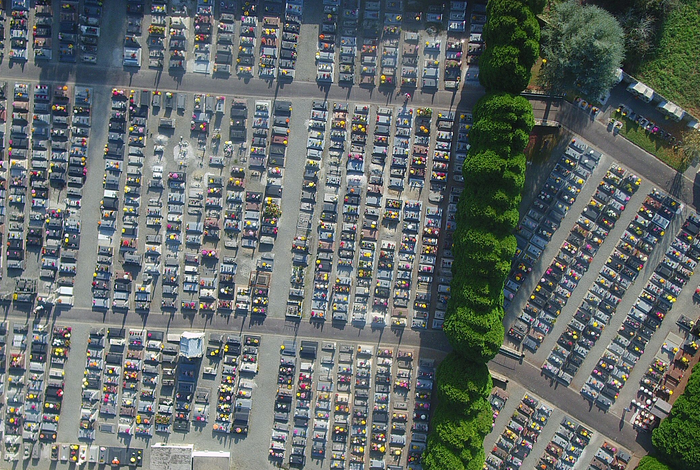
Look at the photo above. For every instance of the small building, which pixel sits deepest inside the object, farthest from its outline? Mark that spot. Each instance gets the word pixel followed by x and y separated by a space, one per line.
pixel 191 344
pixel 165 457
pixel 672 110
pixel 661 409
pixel 132 57
pixel 641 91
pixel 210 460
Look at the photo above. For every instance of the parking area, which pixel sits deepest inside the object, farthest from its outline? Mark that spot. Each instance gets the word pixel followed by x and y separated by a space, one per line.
pixel 47 148
pixel 149 206
pixel 192 201
pixel 634 360
pixel 362 406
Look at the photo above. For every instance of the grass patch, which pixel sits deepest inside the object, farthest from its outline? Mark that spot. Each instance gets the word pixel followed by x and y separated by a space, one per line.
pixel 675 158
pixel 673 70
pixel 535 73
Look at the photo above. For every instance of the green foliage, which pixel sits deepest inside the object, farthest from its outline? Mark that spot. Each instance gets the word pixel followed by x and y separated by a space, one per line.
pixel 463 416
pixel 510 22
pixel 475 334
pixel 516 110
pixel 500 69
pixel 498 136
pixel 512 36
pixel 673 69
pixel 438 457
pixel 640 30
pixel 463 385
pixel 456 432
pixel 536 5
pixel 483 242
pixel 584 46
pixel 491 170
pixel 655 144
pixel 677 436
pixel 652 463
pixel 502 124
pixel 474 459
pixel 481 249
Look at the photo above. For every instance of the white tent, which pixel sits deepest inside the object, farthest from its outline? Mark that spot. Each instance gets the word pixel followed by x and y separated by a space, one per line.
pixel 641 90
pixel 191 344
pixel 672 110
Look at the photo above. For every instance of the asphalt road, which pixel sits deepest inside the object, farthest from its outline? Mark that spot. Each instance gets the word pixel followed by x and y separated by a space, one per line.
pixel 429 339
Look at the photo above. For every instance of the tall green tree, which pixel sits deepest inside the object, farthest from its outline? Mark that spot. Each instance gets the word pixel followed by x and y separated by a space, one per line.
pixel 483 242
pixel 583 46
pixel 512 37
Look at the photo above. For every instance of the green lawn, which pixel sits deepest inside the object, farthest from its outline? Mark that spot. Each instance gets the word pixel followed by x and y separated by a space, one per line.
pixel 658 147
pixel 673 70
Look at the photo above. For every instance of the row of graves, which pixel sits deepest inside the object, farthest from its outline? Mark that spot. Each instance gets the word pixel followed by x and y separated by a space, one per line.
pixel 53 157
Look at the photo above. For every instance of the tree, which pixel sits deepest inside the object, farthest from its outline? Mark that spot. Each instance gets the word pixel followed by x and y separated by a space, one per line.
pixel 438 456
pixel 464 385
pixel 510 23
pixel 512 37
pixel 483 241
pixel 500 69
pixel 583 46
pixel 536 5
pixel 477 335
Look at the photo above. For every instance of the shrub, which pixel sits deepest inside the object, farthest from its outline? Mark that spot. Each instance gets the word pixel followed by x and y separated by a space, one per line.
pixel 500 69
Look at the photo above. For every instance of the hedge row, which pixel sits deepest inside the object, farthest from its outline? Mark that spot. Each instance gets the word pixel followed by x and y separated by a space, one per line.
pixel 463 417
pixel 487 213
pixel 483 242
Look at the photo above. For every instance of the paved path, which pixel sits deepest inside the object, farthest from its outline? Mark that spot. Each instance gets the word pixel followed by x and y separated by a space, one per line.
pixel 429 339
pixel 253 87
